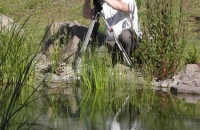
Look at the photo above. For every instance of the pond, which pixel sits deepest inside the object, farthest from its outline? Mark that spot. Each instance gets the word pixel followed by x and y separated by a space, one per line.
pixel 72 108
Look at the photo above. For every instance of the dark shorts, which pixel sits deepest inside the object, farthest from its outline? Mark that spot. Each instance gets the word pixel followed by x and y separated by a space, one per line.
pixel 129 41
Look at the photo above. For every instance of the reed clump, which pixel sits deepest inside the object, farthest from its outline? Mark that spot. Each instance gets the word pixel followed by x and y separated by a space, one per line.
pixel 18 90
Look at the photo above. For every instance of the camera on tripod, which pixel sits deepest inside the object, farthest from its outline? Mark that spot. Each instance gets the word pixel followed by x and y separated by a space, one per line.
pixel 98 4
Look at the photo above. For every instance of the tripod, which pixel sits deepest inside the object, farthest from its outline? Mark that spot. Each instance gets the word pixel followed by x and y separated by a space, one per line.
pixel 93 27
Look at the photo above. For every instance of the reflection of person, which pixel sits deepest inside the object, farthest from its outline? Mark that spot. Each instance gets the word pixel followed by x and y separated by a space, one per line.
pixel 122 16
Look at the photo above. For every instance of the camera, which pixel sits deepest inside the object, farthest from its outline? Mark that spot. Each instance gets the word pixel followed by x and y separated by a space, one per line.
pixel 97 3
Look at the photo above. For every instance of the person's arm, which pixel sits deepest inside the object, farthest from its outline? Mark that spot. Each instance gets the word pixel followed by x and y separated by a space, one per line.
pixel 118 5
pixel 87 11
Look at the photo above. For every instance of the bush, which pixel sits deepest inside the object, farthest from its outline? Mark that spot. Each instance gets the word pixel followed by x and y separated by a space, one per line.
pixel 163 42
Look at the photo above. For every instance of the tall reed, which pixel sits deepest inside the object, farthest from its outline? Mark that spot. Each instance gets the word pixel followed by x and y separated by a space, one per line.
pixel 18 90
pixel 97 73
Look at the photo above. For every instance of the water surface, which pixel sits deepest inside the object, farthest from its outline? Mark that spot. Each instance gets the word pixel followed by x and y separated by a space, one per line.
pixel 74 109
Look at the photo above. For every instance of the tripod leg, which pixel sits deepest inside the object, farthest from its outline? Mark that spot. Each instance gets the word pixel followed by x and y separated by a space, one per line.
pixel 85 44
pixel 119 45
pixel 87 38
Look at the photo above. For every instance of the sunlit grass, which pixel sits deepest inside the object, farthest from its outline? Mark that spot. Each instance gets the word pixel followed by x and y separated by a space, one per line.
pixel 18 91
pixel 97 73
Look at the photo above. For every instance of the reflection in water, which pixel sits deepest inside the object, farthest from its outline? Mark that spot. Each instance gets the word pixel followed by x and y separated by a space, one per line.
pixel 72 109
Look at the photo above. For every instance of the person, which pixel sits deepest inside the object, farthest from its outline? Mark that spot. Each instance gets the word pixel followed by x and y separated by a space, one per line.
pixel 122 17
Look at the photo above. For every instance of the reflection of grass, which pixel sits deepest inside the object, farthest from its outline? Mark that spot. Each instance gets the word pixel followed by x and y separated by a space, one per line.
pixel 156 110
pixel 167 110
pixel 97 105
pixel 198 110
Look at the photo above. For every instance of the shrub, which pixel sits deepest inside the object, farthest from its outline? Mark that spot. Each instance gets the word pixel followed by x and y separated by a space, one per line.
pixel 163 42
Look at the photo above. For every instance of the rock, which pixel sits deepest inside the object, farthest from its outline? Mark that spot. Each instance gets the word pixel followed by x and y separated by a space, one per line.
pixel 188 80
pixel 185 82
pixel 184 89
pixel 102 52
pixel 53 78
pixel 40 57
pixel 191 68
pixel 121 68
pixel 8 24
pixel 197 81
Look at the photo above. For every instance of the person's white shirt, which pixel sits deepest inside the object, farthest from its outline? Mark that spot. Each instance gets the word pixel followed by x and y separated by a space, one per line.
pixel 119 20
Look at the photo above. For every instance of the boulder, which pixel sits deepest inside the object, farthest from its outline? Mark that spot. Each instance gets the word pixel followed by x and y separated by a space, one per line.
pixel 187 81
pixel 8 24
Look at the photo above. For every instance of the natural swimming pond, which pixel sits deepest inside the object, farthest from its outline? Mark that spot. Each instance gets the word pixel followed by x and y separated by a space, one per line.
pixel 72 108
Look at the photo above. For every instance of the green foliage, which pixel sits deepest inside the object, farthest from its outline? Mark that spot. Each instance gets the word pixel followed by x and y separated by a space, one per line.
pixel 16 51
pixel 191 55
pixel 102 29
pixel 97 73
pixel 17 79
pixel 139 3
pixel 0 8
pixel 31 4
pixel 163 43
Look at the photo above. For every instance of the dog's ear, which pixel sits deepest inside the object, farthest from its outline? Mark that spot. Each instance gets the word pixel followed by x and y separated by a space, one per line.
pixel 71 24
pixel 70 27
pixel 76 23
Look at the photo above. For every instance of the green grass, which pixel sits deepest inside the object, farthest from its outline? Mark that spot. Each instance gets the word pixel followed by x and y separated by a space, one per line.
pixel 43 12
